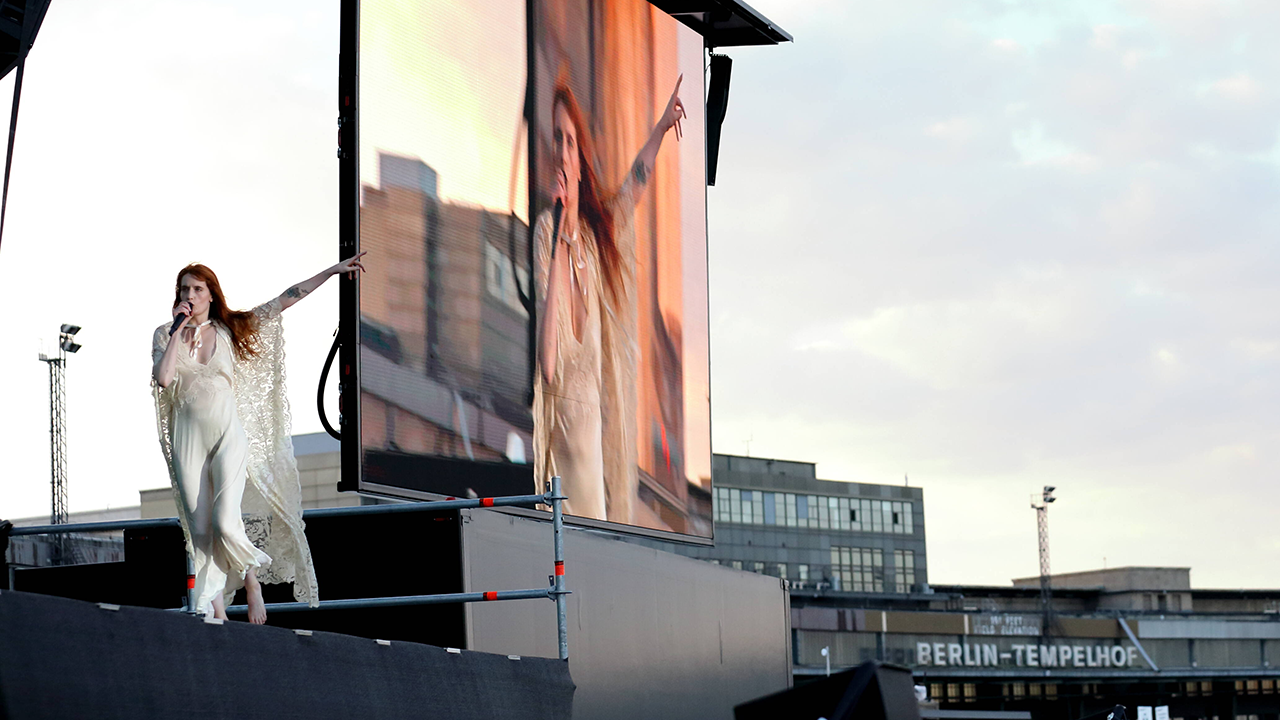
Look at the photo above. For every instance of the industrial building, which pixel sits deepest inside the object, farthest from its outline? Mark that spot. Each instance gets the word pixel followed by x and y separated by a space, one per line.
pixel 854 556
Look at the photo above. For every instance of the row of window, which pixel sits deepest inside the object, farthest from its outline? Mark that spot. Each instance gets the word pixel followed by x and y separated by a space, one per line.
pixel 755 507
pixel 1249 687
pixel 852 569
pixel 968 692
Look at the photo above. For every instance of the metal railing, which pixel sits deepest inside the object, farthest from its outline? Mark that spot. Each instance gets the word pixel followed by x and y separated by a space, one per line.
pixel 556 590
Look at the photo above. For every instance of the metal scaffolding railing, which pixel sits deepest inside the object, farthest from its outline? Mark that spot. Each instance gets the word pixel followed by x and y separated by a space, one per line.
pixel 555 591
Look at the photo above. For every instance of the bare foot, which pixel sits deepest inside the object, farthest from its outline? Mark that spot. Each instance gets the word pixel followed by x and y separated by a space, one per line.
pixel 219 610
pixel 253 594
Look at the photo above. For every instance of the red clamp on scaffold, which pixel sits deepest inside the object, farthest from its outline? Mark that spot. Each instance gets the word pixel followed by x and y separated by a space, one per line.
pixel 491 595
pixel 559 567
pixel 191 582
pixel 486 502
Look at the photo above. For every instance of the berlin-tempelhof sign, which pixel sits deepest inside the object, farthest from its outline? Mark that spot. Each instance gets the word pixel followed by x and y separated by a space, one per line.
pixel 1019 655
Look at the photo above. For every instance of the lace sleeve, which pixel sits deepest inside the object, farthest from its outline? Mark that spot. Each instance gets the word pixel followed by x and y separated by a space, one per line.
pixel 159 342
pixel 165 399
pixel 269 310
pixel 272 500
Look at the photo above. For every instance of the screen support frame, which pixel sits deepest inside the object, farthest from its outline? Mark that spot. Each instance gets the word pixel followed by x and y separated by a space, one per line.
pixel 349 244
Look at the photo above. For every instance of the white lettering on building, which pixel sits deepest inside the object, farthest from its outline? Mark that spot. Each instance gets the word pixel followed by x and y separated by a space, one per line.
pixel 1025 655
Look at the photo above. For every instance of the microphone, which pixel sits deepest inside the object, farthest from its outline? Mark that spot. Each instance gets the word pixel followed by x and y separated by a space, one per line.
pixel 555 227
pixel 176 322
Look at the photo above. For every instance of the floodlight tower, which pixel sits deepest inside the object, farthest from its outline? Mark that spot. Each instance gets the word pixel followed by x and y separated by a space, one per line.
pixel 1042 524
pixel 58 420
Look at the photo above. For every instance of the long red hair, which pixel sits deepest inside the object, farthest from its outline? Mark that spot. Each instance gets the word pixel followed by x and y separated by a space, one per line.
pixel 242 324
pixel 592 203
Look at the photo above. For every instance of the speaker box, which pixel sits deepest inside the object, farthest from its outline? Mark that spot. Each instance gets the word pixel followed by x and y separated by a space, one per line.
pixel 871 691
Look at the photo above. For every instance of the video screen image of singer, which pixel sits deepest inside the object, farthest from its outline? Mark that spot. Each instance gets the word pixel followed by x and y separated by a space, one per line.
pixel 534 188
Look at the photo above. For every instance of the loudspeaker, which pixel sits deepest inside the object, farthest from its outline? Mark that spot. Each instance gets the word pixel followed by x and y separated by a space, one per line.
pixel 871 691
pixel 717 106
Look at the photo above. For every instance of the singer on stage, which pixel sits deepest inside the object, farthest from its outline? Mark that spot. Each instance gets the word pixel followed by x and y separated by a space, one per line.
pixel 223 420
pixel 585 380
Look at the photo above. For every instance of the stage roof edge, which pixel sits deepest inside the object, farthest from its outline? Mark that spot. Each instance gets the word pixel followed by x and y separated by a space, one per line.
pixel 12 15
pixel 725 23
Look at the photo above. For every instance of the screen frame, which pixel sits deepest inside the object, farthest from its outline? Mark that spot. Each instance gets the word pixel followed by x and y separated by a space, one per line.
pixel 351 478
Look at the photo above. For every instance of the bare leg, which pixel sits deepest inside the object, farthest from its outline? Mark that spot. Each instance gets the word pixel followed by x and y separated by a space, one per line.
pixel 219 610
pixel 253 592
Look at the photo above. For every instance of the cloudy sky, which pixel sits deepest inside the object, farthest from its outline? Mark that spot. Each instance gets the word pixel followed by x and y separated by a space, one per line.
pixel 988 244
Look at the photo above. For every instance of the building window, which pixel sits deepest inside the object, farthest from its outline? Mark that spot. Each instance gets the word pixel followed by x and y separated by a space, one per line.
pixel 935 691
pixel 970 692
pixel 782 570
pixel 757 567
pixel 500 281
pixel 1019 689
pixel 819 512
pixel 904 570
pixel 1051 691
pixel 857 569
pixel 735 564
pixel 1034 690
pixel 802 572
pixel 953 691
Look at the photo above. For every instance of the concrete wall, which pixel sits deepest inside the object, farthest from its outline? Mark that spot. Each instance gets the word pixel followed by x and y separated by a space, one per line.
pixel 1119 579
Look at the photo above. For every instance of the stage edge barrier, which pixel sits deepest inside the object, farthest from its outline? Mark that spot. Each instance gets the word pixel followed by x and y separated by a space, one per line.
pixel 556 591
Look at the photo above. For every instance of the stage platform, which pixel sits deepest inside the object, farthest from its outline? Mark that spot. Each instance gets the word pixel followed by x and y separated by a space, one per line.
pixel 651 634
pixel 66 658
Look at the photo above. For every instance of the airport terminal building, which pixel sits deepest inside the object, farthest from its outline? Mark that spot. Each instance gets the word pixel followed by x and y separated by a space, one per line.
pixel 854 557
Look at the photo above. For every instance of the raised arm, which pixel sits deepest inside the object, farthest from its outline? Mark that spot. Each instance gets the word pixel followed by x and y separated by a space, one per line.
pixel 306 287
pixel 642 168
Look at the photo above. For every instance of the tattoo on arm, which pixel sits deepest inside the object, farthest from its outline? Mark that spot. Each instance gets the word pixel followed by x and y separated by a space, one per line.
pixel 640 172
pixel 295 292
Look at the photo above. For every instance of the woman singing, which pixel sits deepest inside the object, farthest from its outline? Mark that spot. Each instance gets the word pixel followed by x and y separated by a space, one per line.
pixel 223 420
pixel 584 394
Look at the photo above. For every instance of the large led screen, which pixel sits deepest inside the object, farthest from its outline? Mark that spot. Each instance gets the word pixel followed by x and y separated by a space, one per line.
pixel 532 197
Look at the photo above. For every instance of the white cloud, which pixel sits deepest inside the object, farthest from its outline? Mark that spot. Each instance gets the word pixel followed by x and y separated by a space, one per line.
pixel 1081 293
pixel 1238 88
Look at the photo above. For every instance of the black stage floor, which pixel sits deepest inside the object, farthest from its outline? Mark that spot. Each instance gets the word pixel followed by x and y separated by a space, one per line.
pixel 63 658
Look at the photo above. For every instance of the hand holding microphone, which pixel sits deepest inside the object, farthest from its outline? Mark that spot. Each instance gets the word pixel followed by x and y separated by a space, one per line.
pixel 181 314
pixel 561 190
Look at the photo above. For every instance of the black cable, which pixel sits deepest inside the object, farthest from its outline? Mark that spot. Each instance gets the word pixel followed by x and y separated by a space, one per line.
pixel 324 377
pixel 13 127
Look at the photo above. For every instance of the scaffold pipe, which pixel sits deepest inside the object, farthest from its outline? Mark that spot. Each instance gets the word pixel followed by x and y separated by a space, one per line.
pixel 558 592
pixel 442 599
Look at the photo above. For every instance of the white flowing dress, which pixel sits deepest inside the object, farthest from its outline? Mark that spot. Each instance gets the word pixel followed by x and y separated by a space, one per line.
pixel 223 427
